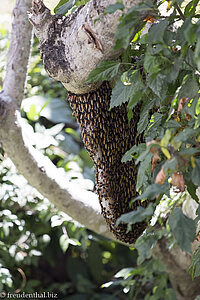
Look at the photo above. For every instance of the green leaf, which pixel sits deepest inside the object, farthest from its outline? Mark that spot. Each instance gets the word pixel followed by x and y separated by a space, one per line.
pixel 197 54
pixel 184 135
pixel 174 70
pixel 157 82
pixel 104 71
pixel 189 88
pixel 81 2
pixel 153 190
pixel 128 23
pixel 183 229
pixel 63 6
pixel 113 8
pixel 190 8
pixel 170 165
pixel 143 153
pixel 143 171
pixel 128 87
pixel 179 2
pixel 136 216
pixel 128 156
pixel 164 143
pixel 196 173
pixel 137 89
pixel 143 122
pixel 189 32
pixel 155 120
pixel 191 188
pixel 151 64
pixel 189 151
pixel 146 242
pixel 60 3
pixel 125 31
pixel 172 124
pixel 195 266
pixel 156 32
pixel 120 94
pixel 144 114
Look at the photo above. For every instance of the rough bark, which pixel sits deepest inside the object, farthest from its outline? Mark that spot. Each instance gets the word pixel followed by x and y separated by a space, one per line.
pixel 74 39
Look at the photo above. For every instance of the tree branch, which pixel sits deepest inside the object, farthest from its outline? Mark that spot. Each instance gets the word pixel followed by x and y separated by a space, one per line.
pixel 73 46
pixel 177 264
pixel 19 52
pixel 80 204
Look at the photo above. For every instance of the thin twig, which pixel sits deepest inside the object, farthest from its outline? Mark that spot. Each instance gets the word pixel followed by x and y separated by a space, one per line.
pixel 179 11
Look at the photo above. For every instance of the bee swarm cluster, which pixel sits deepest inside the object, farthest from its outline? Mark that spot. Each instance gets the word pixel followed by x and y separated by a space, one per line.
pixel 107 136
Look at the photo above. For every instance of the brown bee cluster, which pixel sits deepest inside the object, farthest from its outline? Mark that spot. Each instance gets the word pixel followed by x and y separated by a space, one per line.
pixel 107 136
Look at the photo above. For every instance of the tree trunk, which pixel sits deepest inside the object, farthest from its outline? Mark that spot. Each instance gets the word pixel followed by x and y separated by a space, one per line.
pixel 177 264
pixel 73 46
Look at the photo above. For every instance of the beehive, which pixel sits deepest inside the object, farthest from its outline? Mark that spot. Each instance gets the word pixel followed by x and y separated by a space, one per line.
pixel 107 136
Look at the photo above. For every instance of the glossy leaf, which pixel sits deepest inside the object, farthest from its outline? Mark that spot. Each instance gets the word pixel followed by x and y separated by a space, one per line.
pixel 113 8
pixel 120 94
pixel 196 173
pixel 183 229
pixel 104 71
pixel 63 6
pixel 189 88
pixel 136 216
pixel 153 190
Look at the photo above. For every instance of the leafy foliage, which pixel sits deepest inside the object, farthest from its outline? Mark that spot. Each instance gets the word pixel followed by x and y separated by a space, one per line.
pixel 133 279
pixel 105 70
pixel 64 6
pixel 159 72
pixel 183 228
pixel 136 216
pixel 163 74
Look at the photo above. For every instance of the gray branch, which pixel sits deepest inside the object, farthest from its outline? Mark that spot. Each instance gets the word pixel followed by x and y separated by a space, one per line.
pixel 73 46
